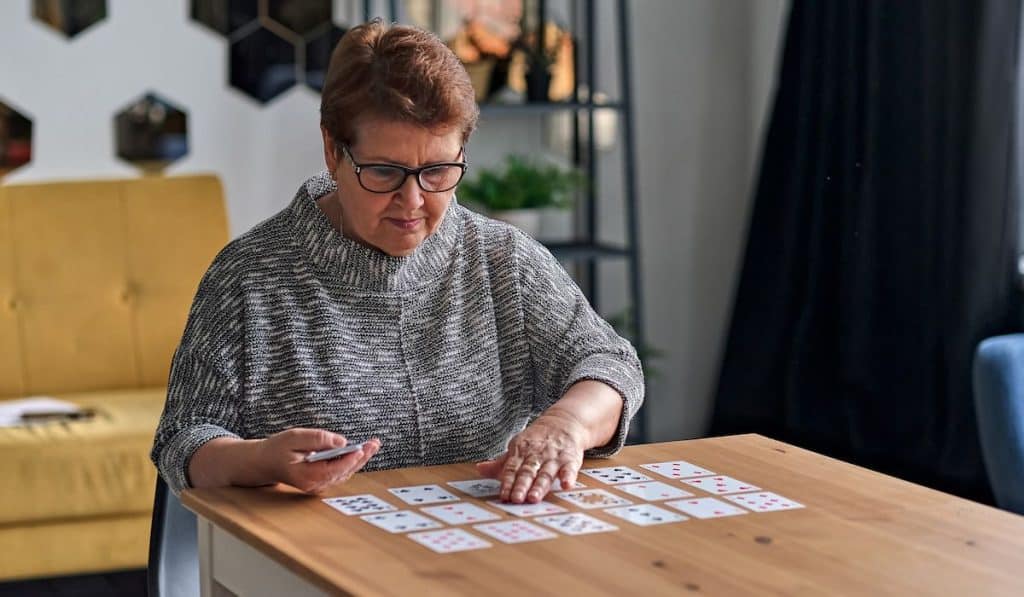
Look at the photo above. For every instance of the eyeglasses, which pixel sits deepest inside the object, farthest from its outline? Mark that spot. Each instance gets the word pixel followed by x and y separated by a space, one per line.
pixel 387 178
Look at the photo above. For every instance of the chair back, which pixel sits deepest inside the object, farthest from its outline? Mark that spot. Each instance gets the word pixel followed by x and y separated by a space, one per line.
pixel 999 403
pixel 173 552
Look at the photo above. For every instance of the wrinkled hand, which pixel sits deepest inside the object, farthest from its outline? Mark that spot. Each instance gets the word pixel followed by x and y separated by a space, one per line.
pixel 283 454
pixel 549 448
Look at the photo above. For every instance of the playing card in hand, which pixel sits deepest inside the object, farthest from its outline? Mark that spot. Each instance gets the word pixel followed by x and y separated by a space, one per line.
pixel 515 531
pixel 720 485
pixel 418 495
pixel 764 501
pixel 359 504
pixel 645 514
pixel 401 521
pixel 449 540
pixel 592 498
pixel 613 475
pixel 677 469
pixel 577 523
pixel 460 513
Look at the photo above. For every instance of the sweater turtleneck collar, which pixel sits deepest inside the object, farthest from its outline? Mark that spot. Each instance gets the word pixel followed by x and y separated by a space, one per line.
pixel 356 265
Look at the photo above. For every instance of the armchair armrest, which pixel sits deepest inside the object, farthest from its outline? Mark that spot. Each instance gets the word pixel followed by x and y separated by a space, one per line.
pixel 999 404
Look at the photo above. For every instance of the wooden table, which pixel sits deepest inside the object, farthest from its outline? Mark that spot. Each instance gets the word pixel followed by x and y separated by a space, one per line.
pixel 860 533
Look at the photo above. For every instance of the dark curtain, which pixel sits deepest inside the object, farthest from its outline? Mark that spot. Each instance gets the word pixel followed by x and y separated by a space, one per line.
pixel 882 242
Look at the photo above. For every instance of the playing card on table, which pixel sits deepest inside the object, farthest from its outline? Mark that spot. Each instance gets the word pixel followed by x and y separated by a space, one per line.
pixel 613 475
pixel 577 523
pixel 359 504
pixel 449 540
pixel 593 498
pixel 654 491
pixel 423 494
pixel 460 513
pixel 478 488
pixel 515 531
pixel 401 521
pixel 720 485
pixel 764 501
pixel 706 507
pixel 677 469
pixel 645 514
pixel 528 509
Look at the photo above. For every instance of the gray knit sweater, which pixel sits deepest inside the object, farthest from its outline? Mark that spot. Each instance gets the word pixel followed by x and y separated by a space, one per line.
pixel 443 354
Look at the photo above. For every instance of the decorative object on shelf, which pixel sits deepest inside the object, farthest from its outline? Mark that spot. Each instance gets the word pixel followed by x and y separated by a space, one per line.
pixel 544 69
pixel 484 42
pixel 15 139
pixel 516 193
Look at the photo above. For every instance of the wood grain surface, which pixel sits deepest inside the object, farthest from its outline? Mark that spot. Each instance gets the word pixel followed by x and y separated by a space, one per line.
pixel 861 533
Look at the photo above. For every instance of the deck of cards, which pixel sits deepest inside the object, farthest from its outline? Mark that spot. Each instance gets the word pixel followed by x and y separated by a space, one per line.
pixel 447 522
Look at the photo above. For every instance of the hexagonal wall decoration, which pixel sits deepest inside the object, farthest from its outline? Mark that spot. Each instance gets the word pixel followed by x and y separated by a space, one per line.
pixel 262 64
pixel 151 133
pixel 69 17
pixel 318 55
pixel 224 16
pixel 15 139
pixel 301 17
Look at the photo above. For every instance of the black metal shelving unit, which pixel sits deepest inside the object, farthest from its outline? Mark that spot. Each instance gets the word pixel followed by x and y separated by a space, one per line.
pixel 587 250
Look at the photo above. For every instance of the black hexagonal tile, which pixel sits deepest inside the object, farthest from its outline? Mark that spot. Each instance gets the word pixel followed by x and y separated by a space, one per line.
pixel 318 54
pixel 262 64
pixel 15 139
pixel 69 17
pixel 151 133
pixel 224 16
pixel 301 16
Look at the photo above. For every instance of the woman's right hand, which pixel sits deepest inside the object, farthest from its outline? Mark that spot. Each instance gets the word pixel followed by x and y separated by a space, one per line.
pixel 284 456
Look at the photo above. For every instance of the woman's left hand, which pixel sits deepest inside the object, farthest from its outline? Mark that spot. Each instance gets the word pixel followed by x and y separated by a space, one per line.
pixel 549 448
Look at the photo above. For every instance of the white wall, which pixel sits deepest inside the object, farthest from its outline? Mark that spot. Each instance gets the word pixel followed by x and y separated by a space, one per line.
pixel 704 70
pixel 702 73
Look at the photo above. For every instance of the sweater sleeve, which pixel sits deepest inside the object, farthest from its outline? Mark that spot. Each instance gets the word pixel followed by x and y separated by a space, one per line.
pixel 203 391
pixel 569 342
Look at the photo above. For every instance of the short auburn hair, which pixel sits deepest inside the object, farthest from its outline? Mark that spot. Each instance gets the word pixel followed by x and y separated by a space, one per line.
pixel 397 73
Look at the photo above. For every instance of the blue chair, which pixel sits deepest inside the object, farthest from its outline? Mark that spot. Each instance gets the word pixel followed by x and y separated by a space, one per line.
pixel 173 551
pixel 999 403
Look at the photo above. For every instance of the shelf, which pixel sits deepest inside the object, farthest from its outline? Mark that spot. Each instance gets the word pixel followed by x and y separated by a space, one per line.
pixel 543 108
pixel 586 251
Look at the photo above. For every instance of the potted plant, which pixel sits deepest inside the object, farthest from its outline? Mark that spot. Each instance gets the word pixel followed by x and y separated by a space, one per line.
pixel 515 193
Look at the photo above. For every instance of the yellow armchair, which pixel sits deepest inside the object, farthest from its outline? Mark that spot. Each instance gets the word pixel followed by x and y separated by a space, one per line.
pixel 95 283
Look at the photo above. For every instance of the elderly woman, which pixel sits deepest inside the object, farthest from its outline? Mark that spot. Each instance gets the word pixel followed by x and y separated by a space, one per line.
pixel 375 307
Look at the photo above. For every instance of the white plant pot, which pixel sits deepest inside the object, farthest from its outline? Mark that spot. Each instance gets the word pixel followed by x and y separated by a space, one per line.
pixel 527 220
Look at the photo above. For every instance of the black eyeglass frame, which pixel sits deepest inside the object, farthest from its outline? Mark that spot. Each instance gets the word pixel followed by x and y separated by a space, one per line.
pixel 358 169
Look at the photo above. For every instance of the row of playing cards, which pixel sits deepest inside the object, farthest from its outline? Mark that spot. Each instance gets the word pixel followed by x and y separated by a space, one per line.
pixel 438 504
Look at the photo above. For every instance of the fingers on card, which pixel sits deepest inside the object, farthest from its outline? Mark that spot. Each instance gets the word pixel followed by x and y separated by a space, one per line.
pixel 593 498
pixel 359 504
pixel 706 508
pixel 537 509
pixel 654 491
pixel 613 475
pixel 720 485
pixel 515 531
pixel 460 513
pixel 577 523
pixel 418 495
pixel 646 514
pixel 402 521
pixel 764 501
pixel 677 469
pixel 449 540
